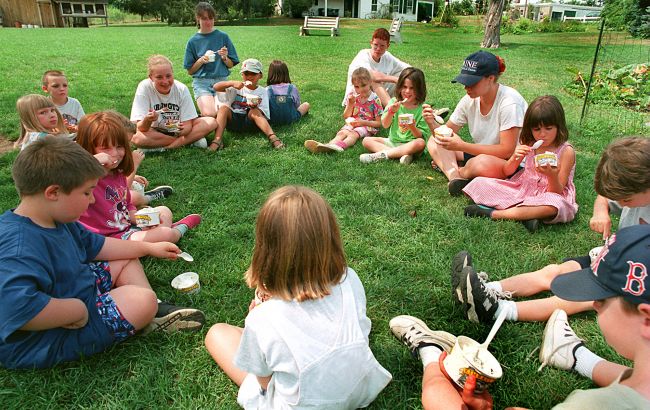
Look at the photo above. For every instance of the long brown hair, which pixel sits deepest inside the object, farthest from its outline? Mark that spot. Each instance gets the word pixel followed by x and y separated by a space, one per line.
pixel 544 111
pixel 417 79
pixel 298 252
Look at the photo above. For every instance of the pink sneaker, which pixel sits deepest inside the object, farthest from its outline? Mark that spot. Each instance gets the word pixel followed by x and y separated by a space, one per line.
pixel 191 221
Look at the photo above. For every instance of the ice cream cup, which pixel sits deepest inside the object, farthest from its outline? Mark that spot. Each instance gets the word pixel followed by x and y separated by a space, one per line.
pixel 147 217
pixel 547 158
pixel 349 120
pixel 464 361
pixel 253 99
pixel 187 283
pixel 405 119
pixel 137 187
pixel 211 57
pixel 593 254
pixel 442 131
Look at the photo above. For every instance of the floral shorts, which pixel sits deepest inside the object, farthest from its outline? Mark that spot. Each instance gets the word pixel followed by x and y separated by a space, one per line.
pixel 108 311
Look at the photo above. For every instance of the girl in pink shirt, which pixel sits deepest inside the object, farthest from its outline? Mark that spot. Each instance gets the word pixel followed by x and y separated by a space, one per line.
pixel 113 214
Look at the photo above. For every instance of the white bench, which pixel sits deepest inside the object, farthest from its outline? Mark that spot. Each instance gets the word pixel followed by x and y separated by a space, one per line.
pixel 395 30
pixel 320 23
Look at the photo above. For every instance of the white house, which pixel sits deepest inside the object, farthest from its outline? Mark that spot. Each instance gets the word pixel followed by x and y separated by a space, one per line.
pixel 557 11
pixel 407 10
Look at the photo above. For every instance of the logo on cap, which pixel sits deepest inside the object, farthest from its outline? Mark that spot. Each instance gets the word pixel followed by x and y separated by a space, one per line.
pixel 470 65
pixel 636 275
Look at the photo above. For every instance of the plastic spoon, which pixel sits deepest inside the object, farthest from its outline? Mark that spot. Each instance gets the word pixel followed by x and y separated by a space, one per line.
pixel 537 144
pixel 493 332
pixel 439 119
pixel 186 256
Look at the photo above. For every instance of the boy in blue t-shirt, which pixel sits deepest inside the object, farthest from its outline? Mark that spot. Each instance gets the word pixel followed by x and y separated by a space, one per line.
pixel 66 292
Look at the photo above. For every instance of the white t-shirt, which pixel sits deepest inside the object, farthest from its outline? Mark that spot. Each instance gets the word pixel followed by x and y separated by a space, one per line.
pixel 71 111
pixel 178 105
pixel 630 216
pixel 507 112
pixel 316 350
pixel 236 99
pixel 387 64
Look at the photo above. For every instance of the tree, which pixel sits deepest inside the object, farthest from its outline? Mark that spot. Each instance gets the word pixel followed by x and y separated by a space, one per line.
pixel 492 36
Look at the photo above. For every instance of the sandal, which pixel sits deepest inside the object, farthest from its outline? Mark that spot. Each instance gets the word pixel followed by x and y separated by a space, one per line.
pixel 275 142
pixel 216 145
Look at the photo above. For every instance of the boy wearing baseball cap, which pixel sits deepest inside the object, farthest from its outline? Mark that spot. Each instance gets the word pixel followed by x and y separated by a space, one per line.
pixel 619 284
pixel 246 106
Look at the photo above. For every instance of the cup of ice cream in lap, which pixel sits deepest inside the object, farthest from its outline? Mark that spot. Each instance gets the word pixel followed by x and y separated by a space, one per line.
pixel 253 99
pixel 469 357
pixel 442 131
pixel 147 217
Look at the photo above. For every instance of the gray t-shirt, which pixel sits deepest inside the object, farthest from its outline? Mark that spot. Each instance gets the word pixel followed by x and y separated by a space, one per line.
pixel 630 216
pixel 615 396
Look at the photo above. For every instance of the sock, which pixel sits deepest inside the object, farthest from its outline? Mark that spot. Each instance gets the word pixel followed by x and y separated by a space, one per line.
pixel 182 228
pixel 495 286
pixel 429 354
pixel 586 360
pixel 509 306
pixel 341 144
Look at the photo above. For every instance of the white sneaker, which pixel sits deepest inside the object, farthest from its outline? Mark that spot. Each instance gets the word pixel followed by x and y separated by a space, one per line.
pixel 369 158
pixel 415 334
pixel 202 143
pixel 406 159
pixel 559 343
pixel 334 147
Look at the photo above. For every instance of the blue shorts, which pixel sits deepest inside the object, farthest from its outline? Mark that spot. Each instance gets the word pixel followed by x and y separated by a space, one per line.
pixel 240 122
pixel 203 86
pixel 583 261
pixel 108 310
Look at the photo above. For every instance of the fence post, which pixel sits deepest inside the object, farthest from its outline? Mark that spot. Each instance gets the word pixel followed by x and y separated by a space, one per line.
pixel 593 69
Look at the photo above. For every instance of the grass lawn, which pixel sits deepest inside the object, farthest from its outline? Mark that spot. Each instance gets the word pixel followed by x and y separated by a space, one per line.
pixel 403 260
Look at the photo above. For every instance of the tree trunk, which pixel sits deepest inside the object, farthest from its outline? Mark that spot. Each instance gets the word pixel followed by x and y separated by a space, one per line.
pixel 492 36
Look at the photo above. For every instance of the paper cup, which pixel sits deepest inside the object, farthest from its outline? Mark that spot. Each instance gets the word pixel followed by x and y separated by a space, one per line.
pixel 147 217
pixel 405 119
pixel 253 99
pixel 593 254
pixel 349 120
pixel 137 187
pixel 547 158
pixel 463 361
pixel 187 283
pixel 443 131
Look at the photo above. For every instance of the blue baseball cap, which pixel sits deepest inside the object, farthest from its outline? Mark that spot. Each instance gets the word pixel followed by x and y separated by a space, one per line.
pixel 620 269
pixel 476 66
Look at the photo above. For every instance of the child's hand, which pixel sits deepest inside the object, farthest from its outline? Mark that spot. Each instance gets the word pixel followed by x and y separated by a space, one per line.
pixel 521 151
pixel 223 52
pixel 351 99
pixel 601 224
pixel 71 128
pixel 164 250
pixel 104 159
pixel 473 401
pixel 394 107
pixel 356 123
pixel 549 171
pixel 237 84
pixel 152 116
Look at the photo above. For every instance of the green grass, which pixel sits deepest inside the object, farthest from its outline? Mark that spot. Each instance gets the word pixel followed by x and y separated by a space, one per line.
pixel 402 260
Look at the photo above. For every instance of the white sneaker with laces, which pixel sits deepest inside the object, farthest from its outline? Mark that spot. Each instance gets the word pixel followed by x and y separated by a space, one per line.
pixel 415 334
pixel 374 157
pixel 202 143
pixel 334 147
pixel 559 343
pixel 406 159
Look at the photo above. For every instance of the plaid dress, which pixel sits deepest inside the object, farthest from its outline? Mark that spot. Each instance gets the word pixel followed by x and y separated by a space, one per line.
pixel 526 188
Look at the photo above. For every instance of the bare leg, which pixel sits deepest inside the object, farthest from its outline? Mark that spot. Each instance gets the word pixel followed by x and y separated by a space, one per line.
pixel 161 233
pixel 483 166
pixel 207 105
pixel 381 92
pixel 138 199
pixel 223 117
pixel 605 373
pixel 222 342
pixel 348 137
pixel 540 310
pixel 132 293
pixel 151 139
pixel 446 160
pixel 374 144
pixel 438 391
pixel 531 283
pixel 524 213
pixel 260 120
pixel 199 128
pixel 303 108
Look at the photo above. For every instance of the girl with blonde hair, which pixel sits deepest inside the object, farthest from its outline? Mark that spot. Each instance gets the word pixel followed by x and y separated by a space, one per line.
pixel 38 118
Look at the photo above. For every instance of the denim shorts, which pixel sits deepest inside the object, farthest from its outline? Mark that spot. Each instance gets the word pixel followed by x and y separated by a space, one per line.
pixel 106 307
pixel 203 86
pixel 240 122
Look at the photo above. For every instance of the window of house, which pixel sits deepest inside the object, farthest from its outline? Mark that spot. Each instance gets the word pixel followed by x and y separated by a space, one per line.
pixel 373 5
pixel 409 6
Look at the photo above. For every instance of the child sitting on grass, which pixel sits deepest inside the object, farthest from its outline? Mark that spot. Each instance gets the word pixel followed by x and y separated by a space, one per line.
pixel 362 115
pixel 284 98
pixel 247 106
pixel 38 118
pixel 65 292
pixel 617 285
pixel 55 83
pixel 405 138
